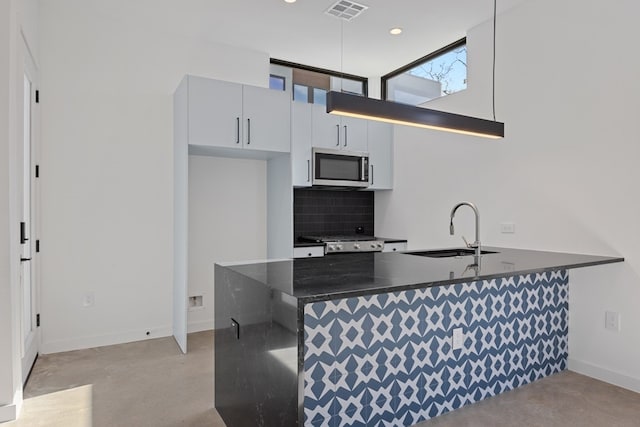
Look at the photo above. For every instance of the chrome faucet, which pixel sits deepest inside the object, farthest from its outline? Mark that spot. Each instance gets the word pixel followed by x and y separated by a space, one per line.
pixel 476 244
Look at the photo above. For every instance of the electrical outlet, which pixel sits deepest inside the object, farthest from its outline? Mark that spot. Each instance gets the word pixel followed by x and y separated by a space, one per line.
pixel 88 300
pixel 612 320
pixel 508 228
pixel 508 266
pixel 457 340
pixel 195 302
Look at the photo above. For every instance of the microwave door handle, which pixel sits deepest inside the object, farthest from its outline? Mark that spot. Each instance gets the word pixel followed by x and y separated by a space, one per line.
pixel 337 135
pixel 362 168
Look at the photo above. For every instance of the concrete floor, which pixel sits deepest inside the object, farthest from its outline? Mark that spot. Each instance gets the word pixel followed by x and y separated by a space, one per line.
pixel 150 383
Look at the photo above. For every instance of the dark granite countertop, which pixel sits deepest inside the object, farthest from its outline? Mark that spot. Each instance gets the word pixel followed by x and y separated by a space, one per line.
pixel 346 275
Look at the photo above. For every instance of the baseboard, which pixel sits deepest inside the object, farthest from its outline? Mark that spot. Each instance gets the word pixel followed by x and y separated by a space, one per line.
pixel 604 374
pixel 103 340
pixel 8 413
pixel 203 325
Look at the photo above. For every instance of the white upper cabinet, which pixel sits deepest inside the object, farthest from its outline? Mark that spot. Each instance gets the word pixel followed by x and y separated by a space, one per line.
pixel 354 132
pixel 380 156
pixel 230 115
pixel 332 131
pixel 301 143
pixel 215 112
pixel 267 119
pixel 325 128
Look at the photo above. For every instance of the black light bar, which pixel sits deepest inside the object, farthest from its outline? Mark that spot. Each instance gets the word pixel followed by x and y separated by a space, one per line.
pixel 392 112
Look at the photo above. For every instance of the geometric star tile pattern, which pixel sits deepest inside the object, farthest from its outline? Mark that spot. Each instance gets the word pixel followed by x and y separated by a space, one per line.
pixel 387 359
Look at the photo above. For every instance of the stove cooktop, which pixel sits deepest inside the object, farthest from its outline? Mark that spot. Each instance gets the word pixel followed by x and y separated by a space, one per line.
pixel 343 244
pixel 336 238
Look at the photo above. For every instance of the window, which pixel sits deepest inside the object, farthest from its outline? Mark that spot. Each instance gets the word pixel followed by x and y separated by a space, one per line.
pixel 310 84
pixel 276 82
pixel 438 74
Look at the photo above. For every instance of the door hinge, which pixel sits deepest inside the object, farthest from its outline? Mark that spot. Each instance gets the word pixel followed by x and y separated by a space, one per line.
pixel 37 245
pixel 37 96
pixel 38 320
pixel 37 171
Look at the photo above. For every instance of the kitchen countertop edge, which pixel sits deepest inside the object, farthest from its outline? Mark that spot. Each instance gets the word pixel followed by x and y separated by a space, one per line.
pixel 314 293
pixel 407 287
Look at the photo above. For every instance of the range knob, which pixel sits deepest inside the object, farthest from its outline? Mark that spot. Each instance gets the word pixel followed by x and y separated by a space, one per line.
pixel 356 246
pixel 331 248
pixel 379 246
pixel 373 246
pixel 338 247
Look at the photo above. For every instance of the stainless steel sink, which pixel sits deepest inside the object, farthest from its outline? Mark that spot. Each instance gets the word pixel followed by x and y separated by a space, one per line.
pixel 449 253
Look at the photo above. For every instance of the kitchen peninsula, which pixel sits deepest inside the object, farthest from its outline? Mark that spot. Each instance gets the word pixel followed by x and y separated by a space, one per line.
pixel 386 338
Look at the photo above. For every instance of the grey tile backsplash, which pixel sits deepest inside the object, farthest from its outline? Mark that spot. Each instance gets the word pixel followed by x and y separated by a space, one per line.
pixel 329 212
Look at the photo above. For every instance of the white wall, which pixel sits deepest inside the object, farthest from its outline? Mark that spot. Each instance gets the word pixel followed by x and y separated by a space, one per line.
pixel 227 222
pixel 28 11
pixel 107 89
pixel 566 173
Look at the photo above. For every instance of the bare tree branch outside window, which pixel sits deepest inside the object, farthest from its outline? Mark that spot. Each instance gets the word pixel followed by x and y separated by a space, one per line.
pixel 450 69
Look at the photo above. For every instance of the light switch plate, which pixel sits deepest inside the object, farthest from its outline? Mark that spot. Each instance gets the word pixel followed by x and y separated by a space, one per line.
pixel 612 321
pixel 88 300
pixel 507 227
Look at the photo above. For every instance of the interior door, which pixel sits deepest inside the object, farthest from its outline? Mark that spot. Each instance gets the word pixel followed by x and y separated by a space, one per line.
pixel 28 270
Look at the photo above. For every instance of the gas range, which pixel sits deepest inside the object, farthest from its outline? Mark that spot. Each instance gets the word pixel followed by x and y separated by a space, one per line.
pixel 346 243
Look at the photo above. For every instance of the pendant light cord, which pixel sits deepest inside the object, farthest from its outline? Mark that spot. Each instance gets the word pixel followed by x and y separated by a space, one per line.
pixel 493 84
pixel 341 54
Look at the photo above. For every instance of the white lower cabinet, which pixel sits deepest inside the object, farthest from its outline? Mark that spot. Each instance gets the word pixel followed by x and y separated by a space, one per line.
pixel 308 252
pixel 395 247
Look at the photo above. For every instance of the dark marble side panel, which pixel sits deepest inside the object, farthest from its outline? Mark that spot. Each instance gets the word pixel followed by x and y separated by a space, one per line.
pixel 256 361
pixel 329 212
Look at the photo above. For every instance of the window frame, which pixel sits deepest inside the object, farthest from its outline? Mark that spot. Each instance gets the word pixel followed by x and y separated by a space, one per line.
pixel 383 80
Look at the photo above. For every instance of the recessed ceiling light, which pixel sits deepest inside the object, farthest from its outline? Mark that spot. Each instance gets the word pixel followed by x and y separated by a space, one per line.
pixel 395 31
pixel 289 1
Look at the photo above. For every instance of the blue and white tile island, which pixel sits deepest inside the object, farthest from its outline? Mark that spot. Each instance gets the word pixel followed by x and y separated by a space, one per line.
pixel 367 339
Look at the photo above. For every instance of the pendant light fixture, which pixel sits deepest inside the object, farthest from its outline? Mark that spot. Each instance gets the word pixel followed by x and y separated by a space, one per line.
pixel 392 112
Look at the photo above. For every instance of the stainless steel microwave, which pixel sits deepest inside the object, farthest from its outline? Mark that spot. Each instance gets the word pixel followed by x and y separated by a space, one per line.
pixel 340 168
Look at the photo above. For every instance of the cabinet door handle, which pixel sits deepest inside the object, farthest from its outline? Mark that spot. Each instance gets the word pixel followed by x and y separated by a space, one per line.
pixel 345 135
pixel 248 131
pixel 337 135
pixel 308 170
pixel 25 259
pixel 371 174
pixel 237 130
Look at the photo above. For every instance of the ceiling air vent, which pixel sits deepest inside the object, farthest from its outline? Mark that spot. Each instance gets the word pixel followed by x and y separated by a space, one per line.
pixel 346 10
